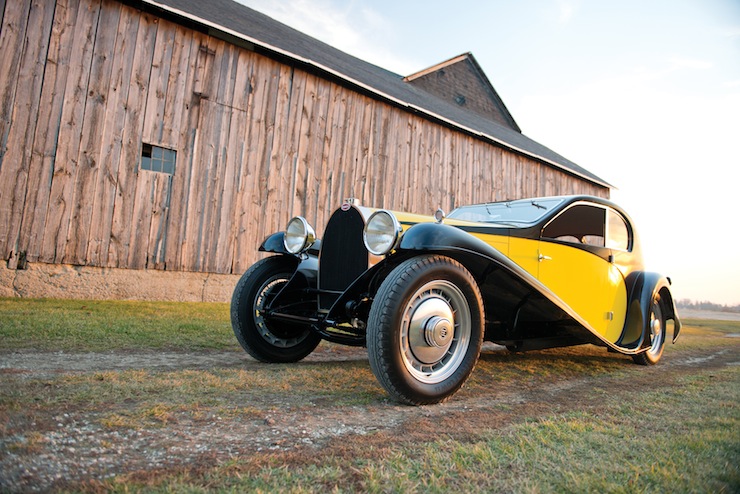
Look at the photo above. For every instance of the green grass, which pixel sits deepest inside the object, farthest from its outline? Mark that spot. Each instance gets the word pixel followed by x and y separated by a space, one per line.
pixel 90 326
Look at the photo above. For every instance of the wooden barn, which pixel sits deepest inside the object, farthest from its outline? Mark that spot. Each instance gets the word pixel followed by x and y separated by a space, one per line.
pixel 174 135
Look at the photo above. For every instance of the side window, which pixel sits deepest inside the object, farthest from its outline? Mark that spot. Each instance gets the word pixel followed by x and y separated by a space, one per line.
pixel 580 224
pixel 157 159
pixel 618 236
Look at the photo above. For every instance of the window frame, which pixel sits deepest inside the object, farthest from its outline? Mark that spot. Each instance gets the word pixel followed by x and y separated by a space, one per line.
pixel 608 213
pixel 157 159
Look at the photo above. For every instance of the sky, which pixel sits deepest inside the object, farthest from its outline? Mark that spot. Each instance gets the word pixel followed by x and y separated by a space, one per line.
pixel 644 94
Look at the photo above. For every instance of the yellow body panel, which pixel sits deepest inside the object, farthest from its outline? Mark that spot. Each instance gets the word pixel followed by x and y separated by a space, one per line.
pixel 524 252
pixel 591 286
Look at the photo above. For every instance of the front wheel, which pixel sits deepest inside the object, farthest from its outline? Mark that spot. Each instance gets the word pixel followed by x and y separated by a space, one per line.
pixel 265 340
pixel 656 335
pixel 425 330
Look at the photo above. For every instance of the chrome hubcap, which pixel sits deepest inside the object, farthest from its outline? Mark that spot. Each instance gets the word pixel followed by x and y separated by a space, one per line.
pixel 438 332
pixel 435 331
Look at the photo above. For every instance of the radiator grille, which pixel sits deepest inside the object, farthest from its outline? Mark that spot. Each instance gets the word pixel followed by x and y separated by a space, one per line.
pixel 343 254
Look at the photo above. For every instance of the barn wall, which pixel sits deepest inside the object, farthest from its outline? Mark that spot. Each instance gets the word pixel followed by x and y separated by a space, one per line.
pixel 85 82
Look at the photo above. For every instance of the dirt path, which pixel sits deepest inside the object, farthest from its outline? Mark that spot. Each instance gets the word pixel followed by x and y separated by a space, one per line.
pixel 74 445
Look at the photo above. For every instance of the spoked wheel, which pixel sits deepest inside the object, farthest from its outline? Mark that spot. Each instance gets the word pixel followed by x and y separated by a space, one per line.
pixel 425 330
pixel 265 340
pixel 657 336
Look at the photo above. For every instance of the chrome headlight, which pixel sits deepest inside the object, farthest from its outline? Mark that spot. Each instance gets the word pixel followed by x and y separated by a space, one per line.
pixel 299 235
pixel 381 233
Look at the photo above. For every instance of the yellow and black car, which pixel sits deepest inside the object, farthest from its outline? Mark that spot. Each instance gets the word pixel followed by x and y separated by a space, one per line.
pixel 423 293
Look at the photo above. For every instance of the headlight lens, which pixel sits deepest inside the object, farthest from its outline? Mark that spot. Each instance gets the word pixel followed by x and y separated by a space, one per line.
pixel 299 235
pixel 381 233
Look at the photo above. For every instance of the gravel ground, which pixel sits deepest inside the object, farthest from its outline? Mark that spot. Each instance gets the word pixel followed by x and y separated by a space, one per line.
pixel 41 453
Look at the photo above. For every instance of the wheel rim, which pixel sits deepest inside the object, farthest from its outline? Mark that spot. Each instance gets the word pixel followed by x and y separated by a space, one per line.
pixel 435 331
pixel 266 293
pixel 656 331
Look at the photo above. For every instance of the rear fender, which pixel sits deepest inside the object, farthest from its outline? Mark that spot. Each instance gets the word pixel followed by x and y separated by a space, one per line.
pixel 643 288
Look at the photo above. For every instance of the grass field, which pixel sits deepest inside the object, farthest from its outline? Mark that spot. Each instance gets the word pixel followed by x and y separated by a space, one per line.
pixel 567 420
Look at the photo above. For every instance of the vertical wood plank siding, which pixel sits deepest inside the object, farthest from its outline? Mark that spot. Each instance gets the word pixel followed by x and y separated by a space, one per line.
pixel 85 82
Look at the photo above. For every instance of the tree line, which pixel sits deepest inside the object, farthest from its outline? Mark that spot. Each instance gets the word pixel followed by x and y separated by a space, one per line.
pixel 705 305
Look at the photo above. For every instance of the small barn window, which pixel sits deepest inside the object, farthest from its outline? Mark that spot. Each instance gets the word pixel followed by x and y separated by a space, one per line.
pixel 157 159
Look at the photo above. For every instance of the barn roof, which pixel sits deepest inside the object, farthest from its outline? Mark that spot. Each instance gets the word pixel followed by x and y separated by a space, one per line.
pixel 242 24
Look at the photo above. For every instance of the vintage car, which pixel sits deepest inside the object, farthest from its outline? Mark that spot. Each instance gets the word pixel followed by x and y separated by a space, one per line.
pixel 424 292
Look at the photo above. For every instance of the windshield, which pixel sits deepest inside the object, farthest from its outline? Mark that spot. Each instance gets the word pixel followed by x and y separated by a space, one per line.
pixel 517 213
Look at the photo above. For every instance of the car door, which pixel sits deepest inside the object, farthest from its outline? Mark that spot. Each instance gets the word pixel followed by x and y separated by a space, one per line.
pixel 576 263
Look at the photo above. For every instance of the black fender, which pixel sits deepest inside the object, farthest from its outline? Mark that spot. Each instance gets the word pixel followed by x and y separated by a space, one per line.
pixel 306 272
pixel 274 243
pixel 642 288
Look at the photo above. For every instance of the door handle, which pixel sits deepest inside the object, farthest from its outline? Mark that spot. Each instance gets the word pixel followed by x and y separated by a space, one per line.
pixel 544 258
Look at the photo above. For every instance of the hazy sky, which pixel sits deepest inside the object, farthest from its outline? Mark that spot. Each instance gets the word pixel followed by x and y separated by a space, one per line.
pixel 643 93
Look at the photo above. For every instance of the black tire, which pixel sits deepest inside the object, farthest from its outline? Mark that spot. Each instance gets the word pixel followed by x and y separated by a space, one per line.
pixel 656 334
pixel 268 342
pixel 425 330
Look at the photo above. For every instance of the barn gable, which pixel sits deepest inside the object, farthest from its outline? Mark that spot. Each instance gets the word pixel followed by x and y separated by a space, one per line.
pixel 461 81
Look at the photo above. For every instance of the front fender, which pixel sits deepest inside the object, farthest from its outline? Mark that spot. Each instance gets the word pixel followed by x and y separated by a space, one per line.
pixel 642 288
pixel 306 272
pixel 274 243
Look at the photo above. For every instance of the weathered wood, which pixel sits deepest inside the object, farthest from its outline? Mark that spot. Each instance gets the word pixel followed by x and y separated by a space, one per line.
pixel 141 218
pixel 187 139
pixel 93 129
pixel 12 34
pixel 18 140
pixel 175 105
pixel 45 140
pixel 249 203
pixel 337 137
pixel 111 147
pixel 235 162
pixel 158 230
pixel 220 206
pixel 315 149
pixel 61 201
pixel 123 228
pixel 275 210
pixel 159 78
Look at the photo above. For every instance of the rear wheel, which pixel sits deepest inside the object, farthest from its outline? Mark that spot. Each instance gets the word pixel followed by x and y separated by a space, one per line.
pixel 656 334
pixel 266 340
pixel 425 330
